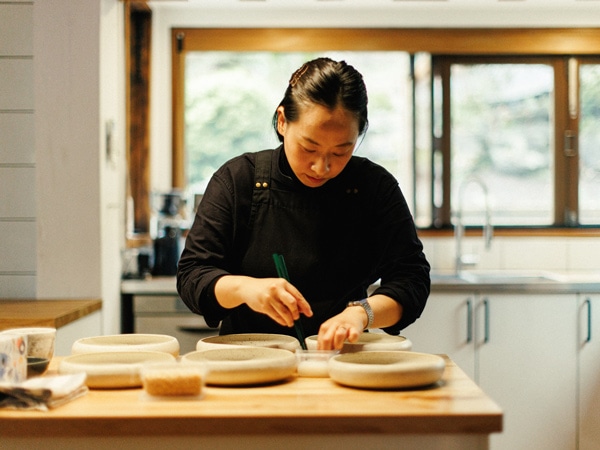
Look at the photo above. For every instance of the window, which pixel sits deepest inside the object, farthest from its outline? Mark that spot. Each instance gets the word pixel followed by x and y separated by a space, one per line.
pixel 501 134
pixel 589 144
pixel 512 109
pixel 512 124
pixel 230 98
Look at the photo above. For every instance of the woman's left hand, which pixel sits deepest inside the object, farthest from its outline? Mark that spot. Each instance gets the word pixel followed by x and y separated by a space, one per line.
pixel 346 326
pixel 351 322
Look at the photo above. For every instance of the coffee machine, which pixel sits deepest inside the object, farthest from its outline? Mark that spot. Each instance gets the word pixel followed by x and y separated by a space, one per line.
pixel 168 222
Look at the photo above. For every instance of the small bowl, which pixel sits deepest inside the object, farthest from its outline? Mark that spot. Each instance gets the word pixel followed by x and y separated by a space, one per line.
pixel 314 363
pixel 40 340
pixel 36 366
pixel 369 342
pixel 127 343
pixel 174 379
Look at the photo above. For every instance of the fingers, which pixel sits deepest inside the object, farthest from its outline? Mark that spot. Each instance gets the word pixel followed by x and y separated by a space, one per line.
pixel 279 314
pixel 280 305
pixel 281 301
pixel 332 338
pixel 340 335
pixel 333 334
pixel 300 303
pixel 346 326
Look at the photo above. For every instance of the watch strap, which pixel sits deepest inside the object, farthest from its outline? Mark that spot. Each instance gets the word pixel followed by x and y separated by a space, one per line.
pixel 364 303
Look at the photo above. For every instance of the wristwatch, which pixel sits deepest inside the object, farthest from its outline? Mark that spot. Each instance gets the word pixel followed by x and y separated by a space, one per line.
pixel 364 303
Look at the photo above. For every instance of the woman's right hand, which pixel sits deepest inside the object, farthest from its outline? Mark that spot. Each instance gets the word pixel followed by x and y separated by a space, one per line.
pixel 274 297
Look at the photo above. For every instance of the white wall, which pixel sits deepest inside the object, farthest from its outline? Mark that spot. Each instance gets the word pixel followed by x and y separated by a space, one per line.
pixel 61 208
pixel 112 159
pixel 67 131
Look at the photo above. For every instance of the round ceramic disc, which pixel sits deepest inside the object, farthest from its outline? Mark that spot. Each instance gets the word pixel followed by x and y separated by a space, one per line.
pixel 386 369
pixel 369 342
pixel 249 339
pixel 237 366
pixel 112 369
pixel 127 343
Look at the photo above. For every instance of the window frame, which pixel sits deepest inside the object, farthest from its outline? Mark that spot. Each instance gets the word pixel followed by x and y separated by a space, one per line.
pixel 584 60
pixel 566 162
pixel 502 43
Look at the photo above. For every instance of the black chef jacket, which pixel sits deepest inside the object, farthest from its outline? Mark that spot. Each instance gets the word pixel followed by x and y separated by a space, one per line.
pixel 336 240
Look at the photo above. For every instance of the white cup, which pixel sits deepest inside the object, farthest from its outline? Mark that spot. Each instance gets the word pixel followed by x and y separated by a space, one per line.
pixel 40 340
pixel 13 358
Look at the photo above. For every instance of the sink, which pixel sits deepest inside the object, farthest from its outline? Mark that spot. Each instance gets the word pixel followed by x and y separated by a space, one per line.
pixel 495 277
pixel 508 277
pixel 451 278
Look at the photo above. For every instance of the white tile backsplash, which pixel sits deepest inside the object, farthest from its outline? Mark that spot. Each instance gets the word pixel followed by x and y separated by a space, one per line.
pixel 520 253
pixel 439 252
pixel 538 253
pixel 584 255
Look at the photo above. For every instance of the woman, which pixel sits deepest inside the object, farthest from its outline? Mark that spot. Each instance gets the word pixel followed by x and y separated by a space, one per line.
pixel 340 222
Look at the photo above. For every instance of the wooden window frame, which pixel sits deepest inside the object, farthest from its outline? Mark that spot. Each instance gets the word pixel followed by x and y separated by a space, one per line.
pixel 138 35
pixel 565 163
pixel 514 42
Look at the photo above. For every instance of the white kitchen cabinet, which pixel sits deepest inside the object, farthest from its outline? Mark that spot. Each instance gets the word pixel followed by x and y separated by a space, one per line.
pixel 526 361
pixel 89 325
pixel 446 327
pixel 589 371
pixel 520 348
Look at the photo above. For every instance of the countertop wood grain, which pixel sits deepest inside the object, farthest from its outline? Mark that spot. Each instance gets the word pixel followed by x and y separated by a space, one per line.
pixel 456 405
pixel 44 313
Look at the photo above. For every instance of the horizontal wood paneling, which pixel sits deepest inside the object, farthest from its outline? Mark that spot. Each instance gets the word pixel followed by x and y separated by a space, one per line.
pixel 17 247
pixel 16 85
pixel 18 187
pixel 17 142
pixel 18 228
pixel 16 23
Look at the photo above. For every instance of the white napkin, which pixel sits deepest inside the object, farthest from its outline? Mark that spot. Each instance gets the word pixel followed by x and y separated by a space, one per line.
pixel 43 392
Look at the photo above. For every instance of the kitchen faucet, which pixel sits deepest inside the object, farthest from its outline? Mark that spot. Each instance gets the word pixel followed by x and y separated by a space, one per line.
pixel 459 229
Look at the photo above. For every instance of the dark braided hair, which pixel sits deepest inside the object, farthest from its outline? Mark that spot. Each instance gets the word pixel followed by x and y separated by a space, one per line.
pixel 327 83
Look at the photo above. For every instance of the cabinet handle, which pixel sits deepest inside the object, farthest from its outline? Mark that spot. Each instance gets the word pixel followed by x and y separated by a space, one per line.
pixel 486 312
pixel 469 321
pixel 588 302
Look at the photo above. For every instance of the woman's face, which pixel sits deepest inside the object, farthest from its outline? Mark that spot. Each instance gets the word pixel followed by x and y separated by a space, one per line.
pixel 320 143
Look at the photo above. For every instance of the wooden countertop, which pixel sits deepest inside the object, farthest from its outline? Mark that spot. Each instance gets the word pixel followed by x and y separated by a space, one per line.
pixel 44 313
pixel 300 405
